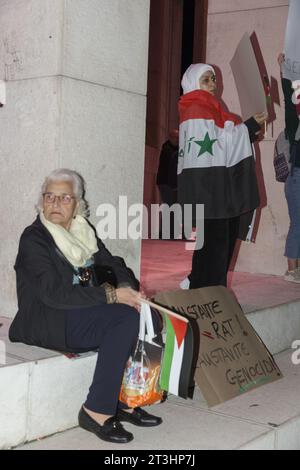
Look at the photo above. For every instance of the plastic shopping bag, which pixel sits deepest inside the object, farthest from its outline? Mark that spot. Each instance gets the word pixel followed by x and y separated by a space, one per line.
pixel 140 384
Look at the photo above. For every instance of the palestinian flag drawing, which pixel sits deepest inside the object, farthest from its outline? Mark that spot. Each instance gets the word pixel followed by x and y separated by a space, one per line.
pixel 215 165
pixel 177 359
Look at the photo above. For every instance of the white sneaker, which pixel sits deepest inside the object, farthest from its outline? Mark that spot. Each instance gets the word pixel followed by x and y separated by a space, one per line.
pixel 185 284
pixel 293 276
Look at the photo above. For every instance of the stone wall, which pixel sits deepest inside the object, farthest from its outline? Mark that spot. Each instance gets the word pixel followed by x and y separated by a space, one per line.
pixel 76 76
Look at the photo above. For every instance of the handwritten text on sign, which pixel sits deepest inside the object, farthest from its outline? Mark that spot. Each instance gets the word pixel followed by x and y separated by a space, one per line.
pixel 231 358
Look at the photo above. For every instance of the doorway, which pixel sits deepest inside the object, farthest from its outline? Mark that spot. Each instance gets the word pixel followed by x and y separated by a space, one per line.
pixel 177 38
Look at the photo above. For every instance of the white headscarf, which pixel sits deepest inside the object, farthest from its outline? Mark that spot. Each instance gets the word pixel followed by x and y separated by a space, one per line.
pixel 190 79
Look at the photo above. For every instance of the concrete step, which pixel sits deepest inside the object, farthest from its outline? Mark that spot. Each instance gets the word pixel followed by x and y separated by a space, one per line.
pixel 272 306
pixel 266 418
pixel 35 381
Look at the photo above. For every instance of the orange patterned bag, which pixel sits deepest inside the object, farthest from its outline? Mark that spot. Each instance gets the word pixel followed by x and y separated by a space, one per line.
pixel 140 384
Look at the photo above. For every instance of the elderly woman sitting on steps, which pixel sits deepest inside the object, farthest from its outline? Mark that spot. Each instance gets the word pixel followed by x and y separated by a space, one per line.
pixel 58 253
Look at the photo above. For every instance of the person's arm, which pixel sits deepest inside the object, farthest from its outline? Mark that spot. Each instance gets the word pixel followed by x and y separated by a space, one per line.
pixel 290 110
pixel 291 116
pixel 253 128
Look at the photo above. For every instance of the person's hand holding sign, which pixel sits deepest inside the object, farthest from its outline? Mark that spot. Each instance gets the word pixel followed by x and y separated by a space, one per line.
pixel 261 118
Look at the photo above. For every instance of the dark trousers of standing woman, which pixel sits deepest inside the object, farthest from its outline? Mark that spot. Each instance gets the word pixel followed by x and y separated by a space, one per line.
pixel 211 263
pixel 113 329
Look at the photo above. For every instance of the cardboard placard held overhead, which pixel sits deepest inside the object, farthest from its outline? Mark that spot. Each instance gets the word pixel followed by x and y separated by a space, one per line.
pixel 248 79
pixel 232 359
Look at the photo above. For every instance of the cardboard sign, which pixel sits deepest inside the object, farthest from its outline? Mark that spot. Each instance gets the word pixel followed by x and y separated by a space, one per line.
pixel 248 80
pixel 231 359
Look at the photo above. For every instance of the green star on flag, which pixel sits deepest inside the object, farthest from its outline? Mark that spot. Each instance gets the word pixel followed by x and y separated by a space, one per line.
pixel 205 145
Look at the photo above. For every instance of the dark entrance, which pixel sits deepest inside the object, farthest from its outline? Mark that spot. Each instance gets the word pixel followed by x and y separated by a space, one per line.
pixel 177 38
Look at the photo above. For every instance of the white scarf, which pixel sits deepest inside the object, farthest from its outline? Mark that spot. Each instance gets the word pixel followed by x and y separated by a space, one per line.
pixel 77 244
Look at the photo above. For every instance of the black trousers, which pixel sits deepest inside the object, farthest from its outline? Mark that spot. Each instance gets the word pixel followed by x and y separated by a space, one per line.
pixel 113 329
pixel 211 263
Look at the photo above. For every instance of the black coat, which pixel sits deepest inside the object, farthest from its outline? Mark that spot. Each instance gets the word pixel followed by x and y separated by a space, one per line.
pixel 291 121
pixel 246 219
pixel 45 288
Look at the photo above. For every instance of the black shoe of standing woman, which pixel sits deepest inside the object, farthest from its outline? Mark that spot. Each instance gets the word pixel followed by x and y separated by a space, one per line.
pixel 139 417
pixel 111 430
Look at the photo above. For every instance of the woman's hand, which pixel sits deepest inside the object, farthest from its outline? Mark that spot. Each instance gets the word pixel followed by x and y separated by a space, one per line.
pixel 280 58
pixel 142 292
pixel 128 296
pixel 261 118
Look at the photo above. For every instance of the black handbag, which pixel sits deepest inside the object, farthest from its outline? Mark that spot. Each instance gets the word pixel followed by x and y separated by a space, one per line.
pixel 96 275
pixel 92 276
pixel 281 160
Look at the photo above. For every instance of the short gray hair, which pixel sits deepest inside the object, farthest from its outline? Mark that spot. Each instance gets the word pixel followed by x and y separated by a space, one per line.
pixel 78 184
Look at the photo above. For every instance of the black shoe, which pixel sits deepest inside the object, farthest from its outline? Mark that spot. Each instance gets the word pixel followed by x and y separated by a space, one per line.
pixel 139 417
pixel 111 431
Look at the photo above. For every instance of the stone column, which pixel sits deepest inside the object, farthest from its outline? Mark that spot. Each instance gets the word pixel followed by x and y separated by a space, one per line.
pixel 76 75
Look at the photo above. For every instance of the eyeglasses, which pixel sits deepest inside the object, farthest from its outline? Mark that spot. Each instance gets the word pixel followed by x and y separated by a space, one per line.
pixel 50 198
pixel 206 80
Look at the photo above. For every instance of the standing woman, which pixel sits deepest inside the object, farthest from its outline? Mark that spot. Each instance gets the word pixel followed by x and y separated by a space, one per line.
pixel 292 184
pixel 215 168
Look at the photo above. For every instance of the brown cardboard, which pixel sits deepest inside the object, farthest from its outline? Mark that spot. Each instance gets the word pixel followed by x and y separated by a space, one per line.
pixel 232 358
pixel 248 79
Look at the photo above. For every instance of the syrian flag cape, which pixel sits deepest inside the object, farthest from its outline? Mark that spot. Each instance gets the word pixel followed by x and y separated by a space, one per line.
pixel 215 165
pixel 177 358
